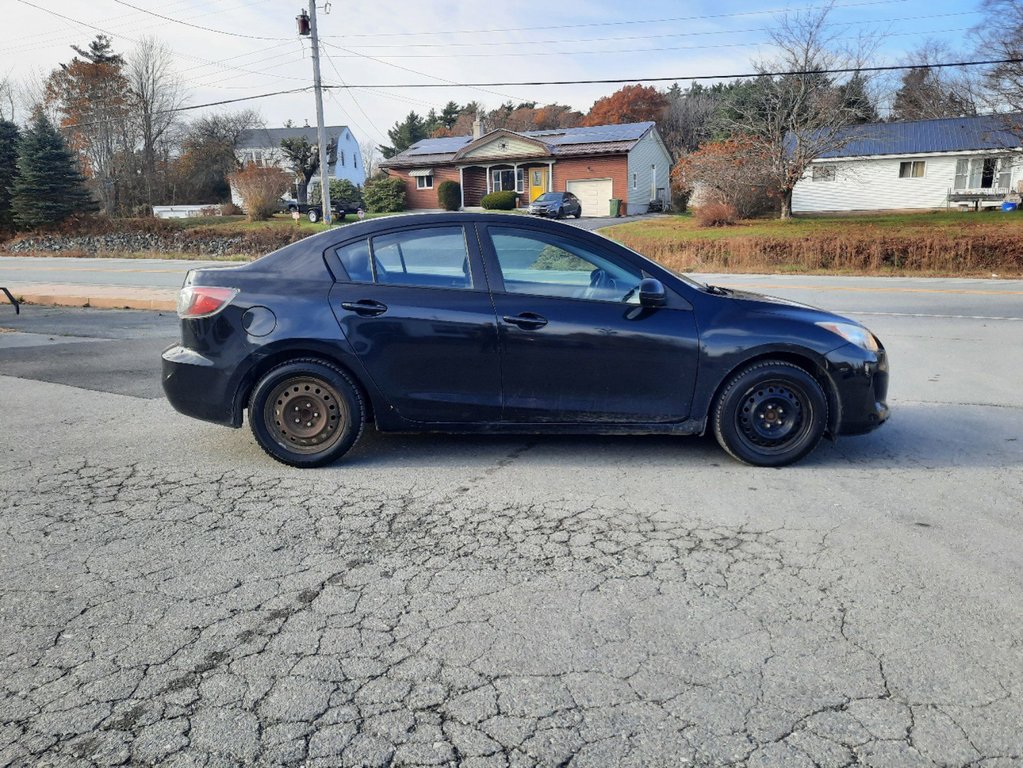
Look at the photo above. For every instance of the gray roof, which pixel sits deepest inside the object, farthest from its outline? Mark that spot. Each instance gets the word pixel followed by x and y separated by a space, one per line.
pixel 951 134
pixel 600 138
pixel 265 138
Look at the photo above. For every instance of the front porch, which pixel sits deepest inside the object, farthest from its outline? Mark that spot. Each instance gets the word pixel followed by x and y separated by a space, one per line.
pixel 529 179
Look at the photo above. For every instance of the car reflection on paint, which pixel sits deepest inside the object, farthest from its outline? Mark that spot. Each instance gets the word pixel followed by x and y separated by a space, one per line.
pixel 463 322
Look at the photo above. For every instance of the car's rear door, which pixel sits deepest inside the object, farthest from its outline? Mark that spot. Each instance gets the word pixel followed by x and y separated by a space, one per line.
pixel 576 345
pixel 413 302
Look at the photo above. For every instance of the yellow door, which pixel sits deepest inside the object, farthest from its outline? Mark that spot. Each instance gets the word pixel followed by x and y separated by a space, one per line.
pixel 537 182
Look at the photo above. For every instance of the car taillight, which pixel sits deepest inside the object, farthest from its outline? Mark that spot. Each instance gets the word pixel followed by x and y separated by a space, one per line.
pixel 196 301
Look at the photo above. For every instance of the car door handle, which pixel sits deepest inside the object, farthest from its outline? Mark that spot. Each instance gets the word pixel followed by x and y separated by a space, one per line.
pixel 365 307
pixel 527 321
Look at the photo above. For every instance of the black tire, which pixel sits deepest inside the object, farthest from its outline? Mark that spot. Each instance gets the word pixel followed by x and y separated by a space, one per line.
pixel 314 215
pixel 578 212
pixel 770 414
pixel 560 214
pixel 327 406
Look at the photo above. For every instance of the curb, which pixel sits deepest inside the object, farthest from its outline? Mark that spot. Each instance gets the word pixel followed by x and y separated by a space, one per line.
pixel 99 297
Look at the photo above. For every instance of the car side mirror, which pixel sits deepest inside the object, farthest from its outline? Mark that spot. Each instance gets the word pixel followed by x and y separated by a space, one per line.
pixel 652 293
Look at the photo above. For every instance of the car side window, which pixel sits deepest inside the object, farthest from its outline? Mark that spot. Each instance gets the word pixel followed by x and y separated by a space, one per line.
pixel 434 257
pixel 355 259
pixel 544 265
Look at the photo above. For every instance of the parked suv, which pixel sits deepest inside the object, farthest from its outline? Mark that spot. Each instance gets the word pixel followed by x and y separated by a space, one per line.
pixel 557 205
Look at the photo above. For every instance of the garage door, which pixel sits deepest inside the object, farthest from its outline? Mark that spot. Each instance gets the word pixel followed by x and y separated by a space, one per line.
pixel 593 194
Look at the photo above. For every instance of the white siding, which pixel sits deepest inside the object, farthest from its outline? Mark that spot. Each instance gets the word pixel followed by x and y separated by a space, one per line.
pixel 651 164
pixel 512 148
pixel 873 184
pixel 352 168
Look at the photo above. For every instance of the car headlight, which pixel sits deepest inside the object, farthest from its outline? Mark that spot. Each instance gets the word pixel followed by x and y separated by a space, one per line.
pixel 854 334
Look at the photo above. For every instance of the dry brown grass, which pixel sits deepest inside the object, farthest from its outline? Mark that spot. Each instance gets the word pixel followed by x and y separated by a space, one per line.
pixel 943 244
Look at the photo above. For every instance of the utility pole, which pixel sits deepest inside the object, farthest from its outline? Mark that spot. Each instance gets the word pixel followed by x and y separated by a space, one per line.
pixel 308 27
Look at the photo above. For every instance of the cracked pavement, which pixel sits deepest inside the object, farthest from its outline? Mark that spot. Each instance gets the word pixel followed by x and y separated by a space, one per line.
pixel 169 596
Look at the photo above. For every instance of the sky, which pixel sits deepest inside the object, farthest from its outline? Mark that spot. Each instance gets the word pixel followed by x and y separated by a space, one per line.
pixel 232 49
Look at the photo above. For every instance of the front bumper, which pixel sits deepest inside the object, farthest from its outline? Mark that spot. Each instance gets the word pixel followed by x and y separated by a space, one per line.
pixel 861 384
pixel 196 387
pixel 542 212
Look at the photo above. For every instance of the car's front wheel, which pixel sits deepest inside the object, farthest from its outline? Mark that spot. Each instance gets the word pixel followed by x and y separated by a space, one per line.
pixel 770 414
pixel 306 413
pixel 314 215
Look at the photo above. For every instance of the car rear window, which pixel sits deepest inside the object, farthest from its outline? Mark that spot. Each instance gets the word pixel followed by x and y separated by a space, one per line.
pixel 433 257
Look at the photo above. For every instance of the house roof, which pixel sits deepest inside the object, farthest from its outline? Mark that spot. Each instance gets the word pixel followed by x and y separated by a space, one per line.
pixel 951 134
pixel 588 140
pixel 264 138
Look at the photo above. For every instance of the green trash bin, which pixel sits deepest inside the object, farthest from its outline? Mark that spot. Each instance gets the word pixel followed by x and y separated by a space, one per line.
pixel 616 206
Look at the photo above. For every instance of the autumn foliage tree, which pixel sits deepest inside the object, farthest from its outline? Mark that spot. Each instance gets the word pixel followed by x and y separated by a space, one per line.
pixel 629 104
pixel 737 172
pixel 260 188
pixel 93 98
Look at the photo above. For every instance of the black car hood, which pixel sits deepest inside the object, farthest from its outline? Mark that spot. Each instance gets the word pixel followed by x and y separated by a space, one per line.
pixel 774 305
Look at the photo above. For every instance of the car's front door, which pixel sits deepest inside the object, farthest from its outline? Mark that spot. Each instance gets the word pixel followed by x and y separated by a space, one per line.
pixel 577 347
pixel 414 305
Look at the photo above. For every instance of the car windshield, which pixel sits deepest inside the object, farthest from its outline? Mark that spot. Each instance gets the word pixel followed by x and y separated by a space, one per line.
pixel 549 197
pixel 684 278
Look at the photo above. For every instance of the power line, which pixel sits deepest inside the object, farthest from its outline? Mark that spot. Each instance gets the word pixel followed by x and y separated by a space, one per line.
pixel 195 26
pixel 662 35
pixel 739 76
pixel 627 21
pixel 613 51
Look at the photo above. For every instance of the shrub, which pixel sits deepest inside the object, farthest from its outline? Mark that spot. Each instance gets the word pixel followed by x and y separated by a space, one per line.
pixel 260 189
pixel 230 209
pixel 715 214
pixel 500 201
pixel 736 171
pixel 341 191
pixel 449 195
pixel 384 194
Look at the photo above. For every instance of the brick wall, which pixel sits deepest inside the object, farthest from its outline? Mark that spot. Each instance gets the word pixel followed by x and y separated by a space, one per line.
pixel 614 167
pixel 420 199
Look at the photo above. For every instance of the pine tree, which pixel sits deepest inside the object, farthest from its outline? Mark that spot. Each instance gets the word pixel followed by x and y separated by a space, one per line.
pixel 49 187
pixel 8 171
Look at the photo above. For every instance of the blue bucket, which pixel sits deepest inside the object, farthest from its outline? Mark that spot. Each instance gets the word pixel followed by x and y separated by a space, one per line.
pixel 1009 206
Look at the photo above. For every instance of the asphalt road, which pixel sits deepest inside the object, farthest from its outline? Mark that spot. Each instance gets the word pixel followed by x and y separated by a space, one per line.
pixel 170 595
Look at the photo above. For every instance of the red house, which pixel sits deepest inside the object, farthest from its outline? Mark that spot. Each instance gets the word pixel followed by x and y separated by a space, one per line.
pixel 596 163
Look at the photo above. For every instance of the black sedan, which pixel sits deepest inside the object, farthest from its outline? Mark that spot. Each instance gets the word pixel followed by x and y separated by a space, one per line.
pixel 556 205
pixel 463 322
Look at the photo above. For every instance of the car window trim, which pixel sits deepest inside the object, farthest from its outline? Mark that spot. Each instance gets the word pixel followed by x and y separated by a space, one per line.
pixel 472 244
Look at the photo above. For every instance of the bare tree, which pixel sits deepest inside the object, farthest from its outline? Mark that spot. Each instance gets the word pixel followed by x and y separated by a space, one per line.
pixel 1000 36
pixel 689 120
pixel 156 94
pixel 927 92
pixel 7 98
pixel 800 116
pixel 370 157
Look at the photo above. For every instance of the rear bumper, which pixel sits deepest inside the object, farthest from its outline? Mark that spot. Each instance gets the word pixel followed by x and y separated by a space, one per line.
pixel 198 388
pixel 861 382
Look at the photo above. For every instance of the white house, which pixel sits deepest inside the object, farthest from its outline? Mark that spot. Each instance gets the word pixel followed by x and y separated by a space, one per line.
pixel 924 164
pixel 262 146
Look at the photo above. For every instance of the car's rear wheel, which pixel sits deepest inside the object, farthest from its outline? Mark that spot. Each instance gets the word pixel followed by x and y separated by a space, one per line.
pixel 306 413
pixel 770 414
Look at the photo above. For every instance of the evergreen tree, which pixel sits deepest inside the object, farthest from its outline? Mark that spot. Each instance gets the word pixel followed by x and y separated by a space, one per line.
pixel 8 171
pixel 404 134
pixel 856 99
pixel 49 187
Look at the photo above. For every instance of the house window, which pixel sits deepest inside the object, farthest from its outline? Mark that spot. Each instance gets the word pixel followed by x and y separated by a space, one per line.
pixel 634 181
pixel 911 169
pixel 341 157
pixel 509 178
pixel 824 173
pixel 424 182
pixel 984 173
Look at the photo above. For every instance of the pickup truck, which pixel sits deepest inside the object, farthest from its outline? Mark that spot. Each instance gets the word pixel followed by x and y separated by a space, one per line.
pixel 314 211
